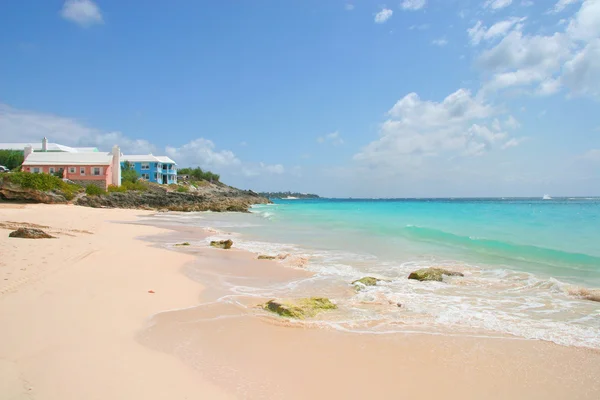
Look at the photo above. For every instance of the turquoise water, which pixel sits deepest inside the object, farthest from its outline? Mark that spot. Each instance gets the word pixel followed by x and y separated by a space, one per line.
pixel 524 262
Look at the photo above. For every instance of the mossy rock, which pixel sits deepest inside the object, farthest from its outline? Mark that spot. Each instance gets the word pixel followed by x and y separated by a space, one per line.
pixel 264 257
pixel 301 308
pixel 30 233
pixel 183 244
pixel 432 274
pixel 222 244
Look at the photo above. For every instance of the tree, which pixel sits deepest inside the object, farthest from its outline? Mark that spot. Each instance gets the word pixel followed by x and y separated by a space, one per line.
pixel 128 174
pixel 11 159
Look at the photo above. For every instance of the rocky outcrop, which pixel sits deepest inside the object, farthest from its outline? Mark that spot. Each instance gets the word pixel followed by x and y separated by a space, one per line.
pixel 360 284
pixel 432 274
pixel 13 192
pixel 586 294
pixel 211 197
pixel 301 308
pixel 222 244
pixel 30 233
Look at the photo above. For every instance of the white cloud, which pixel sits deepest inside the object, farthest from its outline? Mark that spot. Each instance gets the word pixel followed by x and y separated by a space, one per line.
pixel 420 27
pixel 479 32
pixel 261 169
pixel 383 15
pixel 582 73
pixel 439 42
pixel 514 142
pixel 334 138
pixel 201 152
pixel 413 5
pixel 562 4
pixel 349 7
pixel 592 155
pixel 29 127
pixel 460 125
pixel 83 12
pixel 526 3
pixel 497 4
pixel 512 123
pixel 585 25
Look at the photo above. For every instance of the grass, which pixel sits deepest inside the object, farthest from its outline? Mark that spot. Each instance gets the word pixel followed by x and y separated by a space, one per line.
pixel 183 189
pixel 93 190
pixel 43 183
pixel 127 186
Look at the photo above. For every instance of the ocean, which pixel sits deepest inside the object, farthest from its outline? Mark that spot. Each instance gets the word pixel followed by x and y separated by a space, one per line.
pixel 524 262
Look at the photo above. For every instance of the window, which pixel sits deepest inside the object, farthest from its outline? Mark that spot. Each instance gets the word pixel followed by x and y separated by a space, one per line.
pixel 146 176
pixel 96 171
pixel 35 170
pixel 145 165
pixel 72 170
pixel 82 171
pixel 51 170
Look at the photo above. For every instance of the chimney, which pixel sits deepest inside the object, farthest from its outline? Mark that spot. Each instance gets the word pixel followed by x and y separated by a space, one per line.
pixel 116 165
pixel 28 150
pixel 45 144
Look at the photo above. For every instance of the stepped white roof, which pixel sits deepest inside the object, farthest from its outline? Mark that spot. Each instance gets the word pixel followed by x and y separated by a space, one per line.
pixel 67 159
pixel 147 158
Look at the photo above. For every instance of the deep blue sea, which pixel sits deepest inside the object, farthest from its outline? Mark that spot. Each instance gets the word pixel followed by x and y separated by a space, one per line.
pixel 525 262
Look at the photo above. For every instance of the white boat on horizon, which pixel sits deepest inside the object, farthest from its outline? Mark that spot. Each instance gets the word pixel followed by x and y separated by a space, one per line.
pixel 546 197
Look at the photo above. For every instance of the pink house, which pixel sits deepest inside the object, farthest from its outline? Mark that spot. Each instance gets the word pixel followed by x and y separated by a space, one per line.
pixel 96 168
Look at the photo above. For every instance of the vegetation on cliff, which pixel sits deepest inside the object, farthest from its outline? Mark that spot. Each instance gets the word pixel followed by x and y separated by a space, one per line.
pixel 197 174
pixel 28 184
pixel 11 159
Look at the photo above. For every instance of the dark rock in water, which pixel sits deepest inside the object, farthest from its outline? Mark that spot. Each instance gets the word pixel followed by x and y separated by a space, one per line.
pixel 366 281
pixel 183 244
pixel 432 274
pixel 264 257
pixel 222 244
pixel 30 233
pixel 301 308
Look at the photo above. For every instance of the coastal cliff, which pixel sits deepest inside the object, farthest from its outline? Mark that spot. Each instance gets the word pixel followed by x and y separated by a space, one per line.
pixel 209 197
pixel 218 197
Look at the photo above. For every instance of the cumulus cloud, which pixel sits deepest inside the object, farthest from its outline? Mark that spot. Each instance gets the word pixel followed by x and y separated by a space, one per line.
pixel 83 12
pixel 333 138
pixel 383 15
pixel 479 32
pixel 459 126
pixel 545 64
pixel 201 152
pixel 262 169
pixel 497 4
pixel 439 42
pixel 413 5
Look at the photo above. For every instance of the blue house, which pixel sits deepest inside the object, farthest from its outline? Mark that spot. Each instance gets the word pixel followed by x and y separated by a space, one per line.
pixel 157 169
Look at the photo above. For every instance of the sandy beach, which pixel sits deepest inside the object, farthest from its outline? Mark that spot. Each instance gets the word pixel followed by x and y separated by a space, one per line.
pixel 107 311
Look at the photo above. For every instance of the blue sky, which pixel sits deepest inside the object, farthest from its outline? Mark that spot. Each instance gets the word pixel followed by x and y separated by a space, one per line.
pixel 342 98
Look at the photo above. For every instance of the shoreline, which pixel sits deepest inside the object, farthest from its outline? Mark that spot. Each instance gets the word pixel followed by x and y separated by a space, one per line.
pixel 113 339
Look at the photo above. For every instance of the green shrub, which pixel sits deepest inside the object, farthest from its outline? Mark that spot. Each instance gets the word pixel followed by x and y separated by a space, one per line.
pixel 139 186
pixel 128 174
pixel 43 183
pixel 118 189
pixel 93 190
pixel 199 175
pixel 183 189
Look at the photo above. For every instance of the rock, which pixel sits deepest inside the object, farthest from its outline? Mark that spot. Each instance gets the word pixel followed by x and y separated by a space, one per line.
pixel 366 281
pixel 30 233
pixel 296 261
pixel 13 192
pixel 586 294
pixel 283 256
pixel 264 257
pixel 183 244
pixel 301 308
pixel 432 274
pixel 222 244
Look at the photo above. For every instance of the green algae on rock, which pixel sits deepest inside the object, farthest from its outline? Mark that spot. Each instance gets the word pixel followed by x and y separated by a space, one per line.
pixel 222 244
pixel 432 274
pixel 301 308
pixel 264 257
pixel 183 244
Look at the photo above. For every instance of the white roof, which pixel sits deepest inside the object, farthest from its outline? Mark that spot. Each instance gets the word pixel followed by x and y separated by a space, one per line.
pixel 147 158
pixel 58 158
pixel 50 147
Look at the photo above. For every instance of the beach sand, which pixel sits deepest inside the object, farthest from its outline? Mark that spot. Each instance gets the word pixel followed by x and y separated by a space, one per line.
pixel 78 322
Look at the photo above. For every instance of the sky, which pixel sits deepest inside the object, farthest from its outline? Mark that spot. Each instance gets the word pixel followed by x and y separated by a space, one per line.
pixel 408 98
